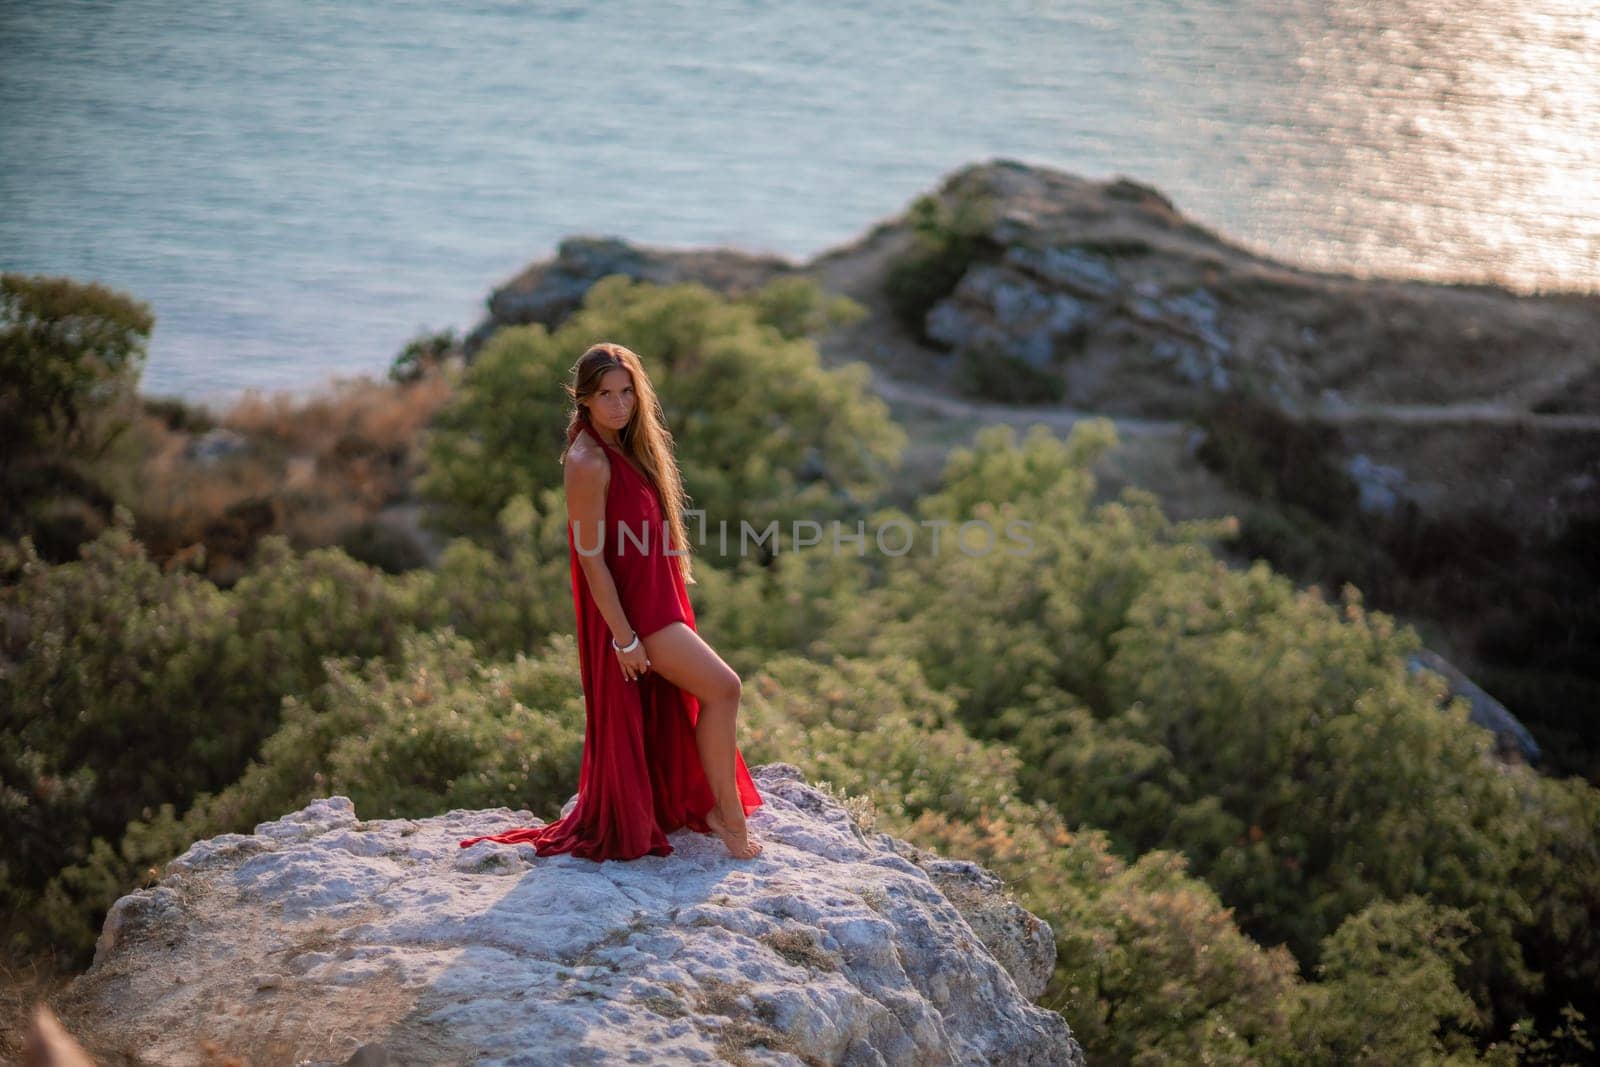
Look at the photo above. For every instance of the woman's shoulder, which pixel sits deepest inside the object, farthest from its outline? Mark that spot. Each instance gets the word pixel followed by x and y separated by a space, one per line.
pixel 586 460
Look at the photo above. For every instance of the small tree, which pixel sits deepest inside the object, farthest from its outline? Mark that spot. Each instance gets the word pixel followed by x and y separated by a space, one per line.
pixel 426 351
pixel 766 431
pixel 67 350
pixel 70 357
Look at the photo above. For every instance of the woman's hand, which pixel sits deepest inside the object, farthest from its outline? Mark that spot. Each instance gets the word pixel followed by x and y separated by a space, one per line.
pixel 634 662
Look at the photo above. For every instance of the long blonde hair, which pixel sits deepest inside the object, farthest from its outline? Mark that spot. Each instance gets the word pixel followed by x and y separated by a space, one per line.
pixel 645 438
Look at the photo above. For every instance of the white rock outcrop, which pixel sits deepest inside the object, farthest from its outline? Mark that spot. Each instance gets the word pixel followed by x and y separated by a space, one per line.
pixel 324 939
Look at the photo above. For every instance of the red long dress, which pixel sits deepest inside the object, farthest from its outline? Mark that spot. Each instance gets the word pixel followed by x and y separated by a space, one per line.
pixel 641 776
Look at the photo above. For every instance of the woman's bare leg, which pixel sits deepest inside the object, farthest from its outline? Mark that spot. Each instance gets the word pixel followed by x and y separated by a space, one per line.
pixel 683 658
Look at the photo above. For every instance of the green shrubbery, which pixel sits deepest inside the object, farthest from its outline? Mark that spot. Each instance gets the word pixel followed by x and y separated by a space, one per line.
pixel 71 355
pixel 989 372
pixel 764 432
pixel 424 354
pixel 1529 596
pixel 508 595
pixel 1150 967
pixel 1278 741
pixel 434 729
pixel 874 727
pixel 126 687
pixel 947 237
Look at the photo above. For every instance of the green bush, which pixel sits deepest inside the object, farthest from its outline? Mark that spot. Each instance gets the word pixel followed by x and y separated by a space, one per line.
pixel 1038 609
pixel 293 610
pixel 435 730
pixel 126 687
pixel 798 602
pixel 763 431
pixel 67 351
pixel 115 673
pixel 1256 447
pixel 507 596
pixel 989 372
pixel 1560 874
pixel 423 354
pixel 1521 601
pixel 1304 756
pixel 797 308
pixel 1150 968
pixel 873 727
pixel 70 359
pixel 1276 740
pixel 947 237
pixel 1386 991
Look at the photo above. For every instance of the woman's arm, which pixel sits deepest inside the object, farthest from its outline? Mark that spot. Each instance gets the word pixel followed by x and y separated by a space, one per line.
pixel 586 478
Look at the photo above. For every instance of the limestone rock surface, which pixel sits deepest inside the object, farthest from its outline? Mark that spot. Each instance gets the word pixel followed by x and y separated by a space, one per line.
pixel 1511 736
pixel 325 939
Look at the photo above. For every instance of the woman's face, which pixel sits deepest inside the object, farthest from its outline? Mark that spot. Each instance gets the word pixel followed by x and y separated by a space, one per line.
pixel 611 405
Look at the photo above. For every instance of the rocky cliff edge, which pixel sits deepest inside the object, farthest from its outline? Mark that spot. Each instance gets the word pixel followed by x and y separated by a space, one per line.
pixel 323 938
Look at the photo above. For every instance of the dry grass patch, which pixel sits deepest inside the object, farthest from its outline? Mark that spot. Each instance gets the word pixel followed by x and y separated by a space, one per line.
pixel 741 1032
pixel 799 946
pixel 317 469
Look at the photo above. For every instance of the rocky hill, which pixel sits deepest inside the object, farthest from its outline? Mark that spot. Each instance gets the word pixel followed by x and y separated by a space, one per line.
pixel 1456 397
pixel 1140 308
pixel 322 938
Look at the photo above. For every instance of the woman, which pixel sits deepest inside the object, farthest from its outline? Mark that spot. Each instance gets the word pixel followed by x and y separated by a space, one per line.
pixel 658 748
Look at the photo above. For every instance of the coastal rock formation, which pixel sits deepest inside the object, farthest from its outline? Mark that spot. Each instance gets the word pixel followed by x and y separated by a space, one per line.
pixel 323 938
pixel 1144 311
pixel 1457 399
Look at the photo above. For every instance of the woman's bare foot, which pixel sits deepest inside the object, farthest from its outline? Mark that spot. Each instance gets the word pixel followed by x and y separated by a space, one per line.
pixel 740 845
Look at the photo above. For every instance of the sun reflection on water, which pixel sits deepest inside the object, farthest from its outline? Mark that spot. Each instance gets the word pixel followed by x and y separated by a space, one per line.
pixel 1446 140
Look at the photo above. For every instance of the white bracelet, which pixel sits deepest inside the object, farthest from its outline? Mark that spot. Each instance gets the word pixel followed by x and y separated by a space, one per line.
pixel 630 646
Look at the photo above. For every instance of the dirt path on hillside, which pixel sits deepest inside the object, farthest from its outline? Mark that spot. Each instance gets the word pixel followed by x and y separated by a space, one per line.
pixel 1456 415
pixel 1153 454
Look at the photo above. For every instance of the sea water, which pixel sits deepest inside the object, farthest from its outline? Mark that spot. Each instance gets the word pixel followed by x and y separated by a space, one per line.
pixel 298 188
